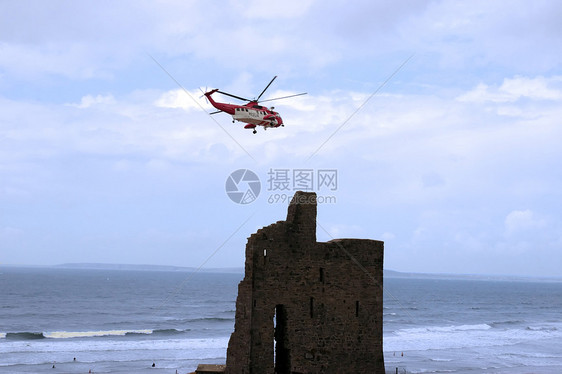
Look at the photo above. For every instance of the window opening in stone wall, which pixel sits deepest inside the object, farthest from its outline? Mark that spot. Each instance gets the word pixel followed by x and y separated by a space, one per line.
pixel 322 275
pixel 281 357
pixel 311 307
pixel 357 308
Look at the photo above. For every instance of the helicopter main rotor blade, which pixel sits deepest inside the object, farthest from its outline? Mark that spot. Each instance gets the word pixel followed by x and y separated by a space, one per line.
pixel 215 112
pixel 266 87
pixel 234 96
pixel 283 97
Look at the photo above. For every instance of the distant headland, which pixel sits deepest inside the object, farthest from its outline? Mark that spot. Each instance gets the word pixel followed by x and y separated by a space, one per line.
pixel 240 270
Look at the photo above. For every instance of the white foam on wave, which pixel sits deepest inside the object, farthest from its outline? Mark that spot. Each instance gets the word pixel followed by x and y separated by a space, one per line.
pixel 465 336
pixel 442 329
pixel 61 345
pixel 99 350
pixel 2 335
pixel 541 328
pixel 91 334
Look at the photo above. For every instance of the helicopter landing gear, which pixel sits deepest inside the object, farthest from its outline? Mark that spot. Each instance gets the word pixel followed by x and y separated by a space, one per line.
pixel 255 132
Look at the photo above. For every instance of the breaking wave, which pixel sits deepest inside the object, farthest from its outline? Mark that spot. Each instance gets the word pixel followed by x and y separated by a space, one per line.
pixel 86 334
pixel 443 329
pixel 506 333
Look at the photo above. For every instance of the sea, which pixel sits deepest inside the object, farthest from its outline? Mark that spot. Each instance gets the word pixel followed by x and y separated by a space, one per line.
pixel 60 320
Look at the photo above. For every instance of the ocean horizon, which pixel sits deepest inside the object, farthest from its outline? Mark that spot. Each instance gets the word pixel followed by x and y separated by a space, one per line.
pixel 388 273
pixel 124 320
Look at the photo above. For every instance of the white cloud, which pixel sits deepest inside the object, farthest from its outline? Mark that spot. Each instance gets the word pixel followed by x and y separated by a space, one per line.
pixel 179 98
pixel 533 88
pixel 10 232
pixel 82 41
pixel 387 236
pixel 522 221
pixel 10 238
pixel 513 89
pixel 338 231
pixel 89 100
pixel 29 62
pixel 257 9
pixel 521 36
pixel 418 146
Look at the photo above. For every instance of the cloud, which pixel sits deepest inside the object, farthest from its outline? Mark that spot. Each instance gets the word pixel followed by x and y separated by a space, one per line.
pixel 387 236
pixel 29 62
pixel 10 238
pixel 467 131
pixel 480 34
pixel 179 98
pixel 435 140
pixel 513 89
pixel 339 231
pixel 522 221
pixel 89 100
pixel 81 41
pixel 10 232
pixel 257 9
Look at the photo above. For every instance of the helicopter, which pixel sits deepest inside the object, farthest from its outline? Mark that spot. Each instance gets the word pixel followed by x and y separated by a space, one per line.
pixel 251 113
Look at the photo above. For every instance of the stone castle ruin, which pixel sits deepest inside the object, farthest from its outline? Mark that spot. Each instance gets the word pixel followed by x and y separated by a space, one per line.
pixel 306 307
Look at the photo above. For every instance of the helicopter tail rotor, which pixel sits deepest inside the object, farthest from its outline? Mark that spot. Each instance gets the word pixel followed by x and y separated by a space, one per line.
pixel 203 94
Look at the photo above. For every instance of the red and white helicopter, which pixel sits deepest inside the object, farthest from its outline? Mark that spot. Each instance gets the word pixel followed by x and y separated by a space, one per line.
pixel 251 113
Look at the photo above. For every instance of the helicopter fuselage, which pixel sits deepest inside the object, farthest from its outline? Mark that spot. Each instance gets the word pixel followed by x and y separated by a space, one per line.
pixel 251 113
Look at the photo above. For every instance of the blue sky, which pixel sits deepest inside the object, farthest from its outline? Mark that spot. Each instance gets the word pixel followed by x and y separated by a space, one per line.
pixel 454 162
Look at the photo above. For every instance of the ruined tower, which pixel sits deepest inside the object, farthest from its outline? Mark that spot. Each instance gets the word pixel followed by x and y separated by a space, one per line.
pixel 307 307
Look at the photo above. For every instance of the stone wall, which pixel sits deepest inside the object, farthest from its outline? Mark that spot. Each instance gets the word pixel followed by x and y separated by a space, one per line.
pixel 308 307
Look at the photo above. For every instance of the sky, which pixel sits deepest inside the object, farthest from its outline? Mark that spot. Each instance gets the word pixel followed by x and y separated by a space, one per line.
pixel 431 125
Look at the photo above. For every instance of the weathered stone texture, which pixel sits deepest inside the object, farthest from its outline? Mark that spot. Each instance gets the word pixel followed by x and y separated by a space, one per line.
pixel 210 369
pixel 324 299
